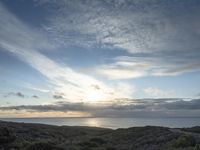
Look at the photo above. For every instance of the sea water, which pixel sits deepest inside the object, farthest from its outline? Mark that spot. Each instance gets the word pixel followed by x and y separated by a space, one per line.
pixel 113 123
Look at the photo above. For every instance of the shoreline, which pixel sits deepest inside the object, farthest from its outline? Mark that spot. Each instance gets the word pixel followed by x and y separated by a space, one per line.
pixel 113 123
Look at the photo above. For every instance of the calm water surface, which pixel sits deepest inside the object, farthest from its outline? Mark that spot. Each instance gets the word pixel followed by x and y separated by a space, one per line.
pixel 112 122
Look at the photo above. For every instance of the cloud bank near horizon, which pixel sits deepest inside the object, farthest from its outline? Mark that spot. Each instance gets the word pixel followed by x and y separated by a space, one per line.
pixel 167 107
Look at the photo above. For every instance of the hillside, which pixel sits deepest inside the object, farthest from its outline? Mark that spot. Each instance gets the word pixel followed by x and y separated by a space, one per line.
pixel 24 136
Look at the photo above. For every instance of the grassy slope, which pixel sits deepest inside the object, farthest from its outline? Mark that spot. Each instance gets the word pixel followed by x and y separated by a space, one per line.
pixel 25 136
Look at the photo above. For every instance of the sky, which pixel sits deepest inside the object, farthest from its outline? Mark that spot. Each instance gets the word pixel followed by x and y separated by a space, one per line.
pixel 99 58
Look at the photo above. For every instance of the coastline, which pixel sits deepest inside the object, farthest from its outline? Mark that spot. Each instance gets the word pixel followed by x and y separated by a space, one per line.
pixel 114 123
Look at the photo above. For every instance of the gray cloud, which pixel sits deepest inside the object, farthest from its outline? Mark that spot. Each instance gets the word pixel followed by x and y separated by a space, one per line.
pixel 58 95
pixel 123 107
pixel 96 87
pixel 35 96
pixel 198 95
pixel 18 94
pixel 185 105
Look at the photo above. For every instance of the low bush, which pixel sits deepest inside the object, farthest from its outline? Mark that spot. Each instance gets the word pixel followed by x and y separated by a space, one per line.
pixel 184 141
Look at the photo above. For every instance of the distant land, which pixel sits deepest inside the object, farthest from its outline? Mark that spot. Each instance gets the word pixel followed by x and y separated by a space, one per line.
pixel 29 136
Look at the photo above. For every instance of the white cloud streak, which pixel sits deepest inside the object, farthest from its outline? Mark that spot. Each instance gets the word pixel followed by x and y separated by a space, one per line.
pixel 126 67
pixel 156 92
pixel 26 44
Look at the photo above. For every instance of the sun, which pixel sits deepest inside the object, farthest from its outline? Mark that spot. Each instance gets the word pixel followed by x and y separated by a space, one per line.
pixel 94 96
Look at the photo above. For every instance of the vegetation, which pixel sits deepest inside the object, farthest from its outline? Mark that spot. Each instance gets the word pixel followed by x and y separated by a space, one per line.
pixel 21 136
pixel 184 141
pixel 193 129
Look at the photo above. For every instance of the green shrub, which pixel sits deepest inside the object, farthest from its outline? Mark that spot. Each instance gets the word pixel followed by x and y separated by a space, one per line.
pixel 184 141
pixel 98 140
pixel 88 144
pixel 110 148
pixel 193 129
pixel 197 147
pixel 42 146
pixel 6 136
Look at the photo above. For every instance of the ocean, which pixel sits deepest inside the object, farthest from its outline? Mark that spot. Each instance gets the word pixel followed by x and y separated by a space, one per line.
pixel 113 123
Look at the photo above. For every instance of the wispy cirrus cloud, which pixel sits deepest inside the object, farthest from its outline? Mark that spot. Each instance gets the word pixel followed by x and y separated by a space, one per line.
pixel 156 92
pixel 166 40
pixel 150 65
pixel 123 69
pixel 30 86
pixel 17 38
